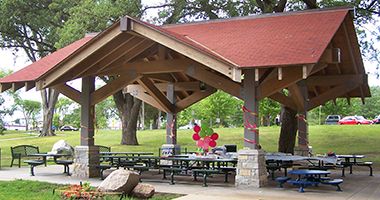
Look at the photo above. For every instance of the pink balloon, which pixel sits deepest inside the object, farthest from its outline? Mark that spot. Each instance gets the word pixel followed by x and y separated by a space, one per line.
pixel 214 136
pixel 207 139
pixel 197 129
pixel 200 143
pixel 205 146
pixel 212 143
pixel 196 136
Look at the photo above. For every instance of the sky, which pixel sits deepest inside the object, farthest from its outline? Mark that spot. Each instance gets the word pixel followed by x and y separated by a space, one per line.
pixel 9 61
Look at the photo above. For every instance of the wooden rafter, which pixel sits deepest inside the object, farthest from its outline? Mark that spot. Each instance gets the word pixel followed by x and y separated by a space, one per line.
pixel 156 94
pixel 73 60
pixel 352 56
pixel 5 86
pixel 193 98
pixel 126 54
pixel 152 67
pixel 332 94
pixel 16 86
pixel 69 92
pixel 178 86
pixel 215 80
pixel 113 86
pixel 225 68
pixel 271 84
pixel 284 100
pixel 140 94
pixel 161 77
pixel 329 80
pixel 297 96
pixel 29 85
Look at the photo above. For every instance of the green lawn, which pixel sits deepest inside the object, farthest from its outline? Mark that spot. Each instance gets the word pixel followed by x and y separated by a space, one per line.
pixel 359 139
pixel 34 190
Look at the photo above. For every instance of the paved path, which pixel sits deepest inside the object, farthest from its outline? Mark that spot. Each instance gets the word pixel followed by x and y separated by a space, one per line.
pixel 18 138
pixel 358 186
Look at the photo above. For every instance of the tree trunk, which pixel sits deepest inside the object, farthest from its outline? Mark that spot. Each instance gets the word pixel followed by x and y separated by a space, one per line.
pixel 128 108
pixel 49 99
pixel 288 132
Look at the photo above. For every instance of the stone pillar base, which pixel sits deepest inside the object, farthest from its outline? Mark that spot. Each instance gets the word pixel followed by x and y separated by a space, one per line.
pixel 301 151
pixel 251 170
pixel 86 158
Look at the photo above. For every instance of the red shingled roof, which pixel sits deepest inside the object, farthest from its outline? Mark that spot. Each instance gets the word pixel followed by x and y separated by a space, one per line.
pixel 35 70
pixel 259 41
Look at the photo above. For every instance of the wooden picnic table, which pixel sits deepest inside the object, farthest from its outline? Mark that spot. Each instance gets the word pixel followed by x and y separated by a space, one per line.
pixel 127 153
pixel 350 160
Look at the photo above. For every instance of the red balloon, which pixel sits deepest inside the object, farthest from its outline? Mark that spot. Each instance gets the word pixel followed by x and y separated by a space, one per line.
pixel 196 136
pixel 212 143
pixel 214 136
pixel 207 139
pixel 197 128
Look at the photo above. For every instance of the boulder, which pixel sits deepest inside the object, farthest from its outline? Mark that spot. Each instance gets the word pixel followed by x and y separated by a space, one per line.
pixel 62 147
pixel 143 191
pixel 120 180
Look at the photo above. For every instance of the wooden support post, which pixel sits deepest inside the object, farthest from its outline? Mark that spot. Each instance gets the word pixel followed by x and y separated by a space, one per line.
pixel 171 118
pixel 251 109
pixel 87 112
pixel 86 158
pixel 303 128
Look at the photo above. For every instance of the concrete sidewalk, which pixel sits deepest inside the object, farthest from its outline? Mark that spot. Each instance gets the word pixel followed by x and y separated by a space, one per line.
pixel 356 186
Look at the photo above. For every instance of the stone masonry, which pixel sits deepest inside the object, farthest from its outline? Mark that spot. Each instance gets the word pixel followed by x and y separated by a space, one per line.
pixel 251 171
pixel 86 158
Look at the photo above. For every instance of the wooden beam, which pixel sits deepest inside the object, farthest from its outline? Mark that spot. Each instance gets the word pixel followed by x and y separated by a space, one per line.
pixel 355 62
pixel 74 59
pixel 29 85
pixel 227 68
pixel 16 86
pixel 296 95
pixel 140 94
pixel 331 56
pixel 178 86
pixel 271 84
pixel 329 80
pixel 284 100
pixel 332 94
pixel 156 94
pixel 5 86
pixel 194 98
pixel 69 92
pixel 215 80
pixel 161 77
pixel 126 53
pixel 112 87
pixel 152 67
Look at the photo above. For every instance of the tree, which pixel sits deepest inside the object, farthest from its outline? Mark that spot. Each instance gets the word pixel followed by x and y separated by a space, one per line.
pixel 67 112
pixel 4 110
pixel 29 108
pixel 31 25
pixel 104 111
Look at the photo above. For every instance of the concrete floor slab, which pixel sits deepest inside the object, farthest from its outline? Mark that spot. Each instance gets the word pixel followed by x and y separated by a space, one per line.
pixel 356 186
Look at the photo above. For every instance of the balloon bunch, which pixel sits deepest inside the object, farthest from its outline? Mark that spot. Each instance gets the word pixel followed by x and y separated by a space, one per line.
pixel 205 137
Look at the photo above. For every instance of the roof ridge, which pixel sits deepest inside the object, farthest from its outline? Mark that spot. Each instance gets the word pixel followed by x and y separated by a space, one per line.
pixel 259 16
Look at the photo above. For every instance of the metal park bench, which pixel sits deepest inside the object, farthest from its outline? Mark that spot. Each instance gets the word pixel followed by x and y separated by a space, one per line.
pixel 23 151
